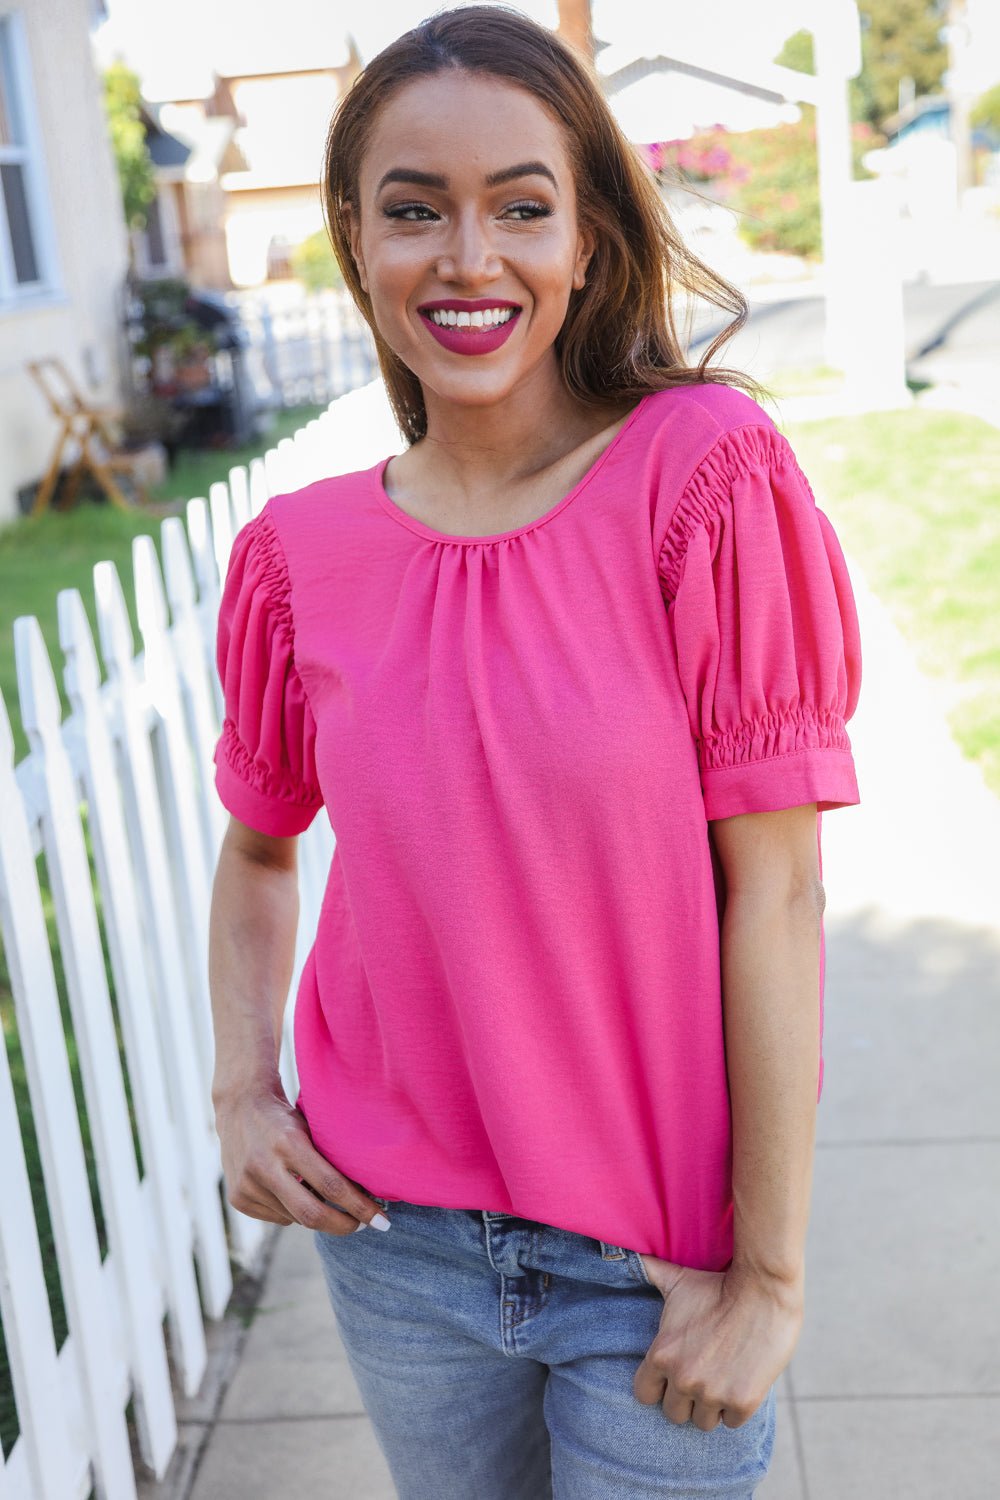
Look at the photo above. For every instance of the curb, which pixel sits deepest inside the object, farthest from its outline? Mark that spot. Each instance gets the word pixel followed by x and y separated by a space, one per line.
pixel 198 1414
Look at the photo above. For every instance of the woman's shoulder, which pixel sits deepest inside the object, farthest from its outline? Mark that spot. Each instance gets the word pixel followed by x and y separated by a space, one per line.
pixel 699 428
pixel 321 516
pixel 712 407
pixel 322 500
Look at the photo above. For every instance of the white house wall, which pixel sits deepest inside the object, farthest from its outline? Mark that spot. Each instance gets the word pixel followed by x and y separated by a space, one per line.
pixel 76 317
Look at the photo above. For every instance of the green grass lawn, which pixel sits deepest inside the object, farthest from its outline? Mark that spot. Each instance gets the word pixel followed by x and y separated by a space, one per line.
pixel 915 498
pixel 39 555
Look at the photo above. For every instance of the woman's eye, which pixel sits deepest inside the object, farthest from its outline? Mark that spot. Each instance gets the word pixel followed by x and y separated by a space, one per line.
pixel 528 210
pixel 415 212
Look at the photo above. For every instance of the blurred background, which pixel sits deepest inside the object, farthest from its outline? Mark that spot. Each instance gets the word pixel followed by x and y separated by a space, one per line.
pixel 170 309
pixel 840 164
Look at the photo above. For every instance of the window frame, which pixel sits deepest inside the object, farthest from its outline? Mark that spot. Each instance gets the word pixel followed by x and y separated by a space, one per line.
pixel 29 155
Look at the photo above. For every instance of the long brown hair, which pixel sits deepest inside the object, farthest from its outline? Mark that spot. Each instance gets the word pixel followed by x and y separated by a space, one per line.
pixel 619 339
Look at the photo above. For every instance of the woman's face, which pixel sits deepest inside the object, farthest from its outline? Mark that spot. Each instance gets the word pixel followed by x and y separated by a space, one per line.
pixel 467 239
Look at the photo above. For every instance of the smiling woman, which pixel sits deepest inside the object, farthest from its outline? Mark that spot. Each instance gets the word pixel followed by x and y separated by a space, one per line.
pixel 570 677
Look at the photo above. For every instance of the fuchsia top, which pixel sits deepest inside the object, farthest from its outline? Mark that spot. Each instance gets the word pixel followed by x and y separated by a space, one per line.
pixel 513 1001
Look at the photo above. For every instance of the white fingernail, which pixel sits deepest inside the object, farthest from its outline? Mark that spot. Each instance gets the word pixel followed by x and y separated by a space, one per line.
pixel 380 1221
pixel 362 1225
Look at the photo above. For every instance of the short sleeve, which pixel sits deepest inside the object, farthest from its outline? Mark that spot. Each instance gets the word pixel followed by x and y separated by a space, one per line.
pixel 765 629
pixel 265 756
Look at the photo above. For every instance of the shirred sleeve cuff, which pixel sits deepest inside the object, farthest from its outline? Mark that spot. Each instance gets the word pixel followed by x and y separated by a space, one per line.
pixel 267 811
pixel 826 777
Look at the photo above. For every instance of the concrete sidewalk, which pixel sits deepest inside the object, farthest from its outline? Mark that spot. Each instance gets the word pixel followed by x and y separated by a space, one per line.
pixel 894 1390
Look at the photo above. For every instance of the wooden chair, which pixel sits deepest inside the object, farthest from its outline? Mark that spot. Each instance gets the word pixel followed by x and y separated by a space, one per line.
pixel 87 426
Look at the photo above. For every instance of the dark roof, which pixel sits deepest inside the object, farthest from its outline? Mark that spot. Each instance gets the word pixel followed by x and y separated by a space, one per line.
pixel 165 150
pixel 642 67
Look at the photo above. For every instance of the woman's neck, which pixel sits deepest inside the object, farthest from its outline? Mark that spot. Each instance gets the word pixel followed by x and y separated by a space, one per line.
pixel 474 451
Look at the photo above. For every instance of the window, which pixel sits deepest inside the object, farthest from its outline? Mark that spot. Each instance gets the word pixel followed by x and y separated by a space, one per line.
pixel 158 249
pixel 155 252
pixel 23 221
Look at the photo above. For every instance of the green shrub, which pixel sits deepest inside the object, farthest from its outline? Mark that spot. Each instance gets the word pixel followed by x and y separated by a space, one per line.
pixel 313 262
pixel 985 112
pixel 770 178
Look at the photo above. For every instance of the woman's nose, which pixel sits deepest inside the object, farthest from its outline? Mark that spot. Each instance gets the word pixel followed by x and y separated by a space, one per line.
pixel 470 254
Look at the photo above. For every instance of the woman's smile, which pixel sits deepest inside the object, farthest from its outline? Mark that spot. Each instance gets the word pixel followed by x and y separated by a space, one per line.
pixel 470 327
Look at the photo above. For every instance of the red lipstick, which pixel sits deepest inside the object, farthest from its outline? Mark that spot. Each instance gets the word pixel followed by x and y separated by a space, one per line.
pixel 466 339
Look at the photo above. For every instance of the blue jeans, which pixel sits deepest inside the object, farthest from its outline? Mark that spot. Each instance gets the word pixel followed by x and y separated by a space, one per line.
pixel 495 1358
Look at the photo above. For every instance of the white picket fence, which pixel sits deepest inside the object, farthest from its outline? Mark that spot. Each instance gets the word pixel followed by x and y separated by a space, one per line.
pixel 306 346
pixel 133 765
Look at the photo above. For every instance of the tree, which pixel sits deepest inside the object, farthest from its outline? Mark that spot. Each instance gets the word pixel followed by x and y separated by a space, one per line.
pixel 899 39
pixel 313 262
pixel 797 53
pixel 122 107
pixel 985 113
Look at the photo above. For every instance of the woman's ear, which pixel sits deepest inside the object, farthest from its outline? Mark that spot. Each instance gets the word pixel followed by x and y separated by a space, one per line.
pixel 353 223
pixel 586 245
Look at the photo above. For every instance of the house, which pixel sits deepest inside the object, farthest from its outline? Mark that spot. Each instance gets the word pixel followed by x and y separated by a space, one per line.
pixel 250 190
pixel 63 241
pixel 659 98
pixel 185 233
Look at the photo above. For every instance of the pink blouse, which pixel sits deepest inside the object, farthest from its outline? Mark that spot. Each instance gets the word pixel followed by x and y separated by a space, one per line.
pixel 513 999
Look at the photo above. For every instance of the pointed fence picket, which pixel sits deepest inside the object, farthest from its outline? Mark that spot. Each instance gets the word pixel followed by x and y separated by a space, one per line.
pixel 131 769
pixel 124 1206
pixel 96 1425
pixel 169 1213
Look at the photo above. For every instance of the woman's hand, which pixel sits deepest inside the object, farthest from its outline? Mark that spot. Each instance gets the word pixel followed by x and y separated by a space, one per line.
pixel 273 1171
pixel 725 1337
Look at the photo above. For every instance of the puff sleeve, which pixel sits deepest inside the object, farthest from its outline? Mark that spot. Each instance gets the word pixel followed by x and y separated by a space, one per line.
pixel 265 756
pixel 765 630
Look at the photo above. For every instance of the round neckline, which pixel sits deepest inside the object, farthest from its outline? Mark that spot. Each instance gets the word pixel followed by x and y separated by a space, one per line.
pixel 430 533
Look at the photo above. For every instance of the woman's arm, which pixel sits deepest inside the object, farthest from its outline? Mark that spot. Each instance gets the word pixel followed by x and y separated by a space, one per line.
pixel 251 953
pixel 726 1336
pixel 271 1167
pixel 770 985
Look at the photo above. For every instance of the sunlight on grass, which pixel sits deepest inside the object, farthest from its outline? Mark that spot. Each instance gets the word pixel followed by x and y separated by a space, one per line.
pixel 915 498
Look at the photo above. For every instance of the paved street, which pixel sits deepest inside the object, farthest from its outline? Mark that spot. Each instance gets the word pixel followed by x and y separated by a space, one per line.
pixel 952 333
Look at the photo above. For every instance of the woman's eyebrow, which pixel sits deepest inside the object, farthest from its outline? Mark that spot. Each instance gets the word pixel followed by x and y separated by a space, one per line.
pixel 414 178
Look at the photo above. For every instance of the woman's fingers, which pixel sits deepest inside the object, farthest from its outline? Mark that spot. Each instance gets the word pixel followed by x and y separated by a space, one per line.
pixel 293 1202
pixel 312 1211
pixel 342 1209
pixel 271 1212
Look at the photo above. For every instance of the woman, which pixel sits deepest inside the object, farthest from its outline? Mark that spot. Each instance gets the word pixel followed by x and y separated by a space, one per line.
pixel 570 676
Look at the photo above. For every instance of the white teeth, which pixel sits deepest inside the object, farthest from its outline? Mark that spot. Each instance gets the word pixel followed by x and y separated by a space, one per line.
pixel 487 317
